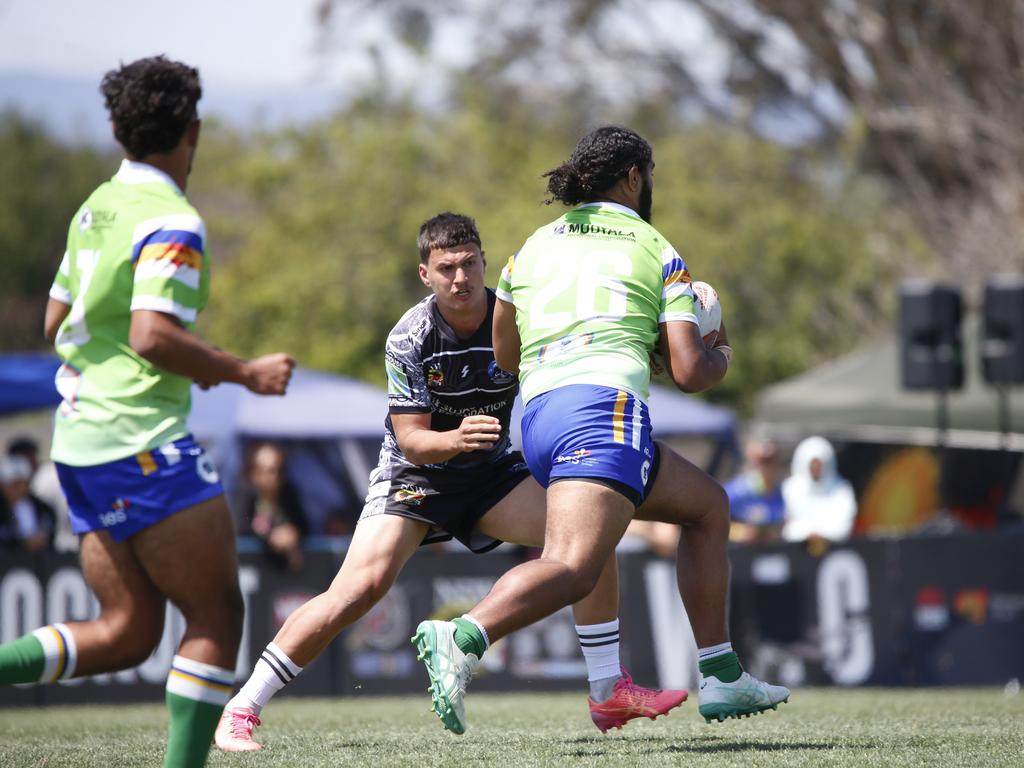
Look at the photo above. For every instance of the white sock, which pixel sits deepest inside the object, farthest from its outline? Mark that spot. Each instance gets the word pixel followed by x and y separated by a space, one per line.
pixel 272 672
pixel 713 651
pixel 59 650
pixel 600 645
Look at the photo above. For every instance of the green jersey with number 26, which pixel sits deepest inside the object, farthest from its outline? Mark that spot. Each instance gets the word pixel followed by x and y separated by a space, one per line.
pixel 590 290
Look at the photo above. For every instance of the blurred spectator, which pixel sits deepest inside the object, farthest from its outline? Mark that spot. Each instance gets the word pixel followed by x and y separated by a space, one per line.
pixel 271 508
pixel 26 521
pixel 755 495
pixel 820 505
pixel 44 485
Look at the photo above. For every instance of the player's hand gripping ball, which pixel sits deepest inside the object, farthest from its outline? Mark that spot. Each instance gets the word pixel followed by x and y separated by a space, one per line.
pixel 708 311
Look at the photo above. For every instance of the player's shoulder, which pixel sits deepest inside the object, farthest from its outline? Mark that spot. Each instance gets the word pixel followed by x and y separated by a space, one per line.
pixel 412 327
pixel 148 201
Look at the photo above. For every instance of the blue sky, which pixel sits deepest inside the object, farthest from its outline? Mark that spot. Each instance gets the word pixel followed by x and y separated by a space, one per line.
pixel 258 60
pixel 265 64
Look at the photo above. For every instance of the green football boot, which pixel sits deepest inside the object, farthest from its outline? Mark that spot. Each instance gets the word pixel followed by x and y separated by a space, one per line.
pixel 449 670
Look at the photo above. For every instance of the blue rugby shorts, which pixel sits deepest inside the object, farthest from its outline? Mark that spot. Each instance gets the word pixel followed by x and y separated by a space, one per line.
pixel 589 432
pixel 125 496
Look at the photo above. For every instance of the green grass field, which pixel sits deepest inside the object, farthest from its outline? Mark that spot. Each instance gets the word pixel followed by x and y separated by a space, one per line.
pixel 819 727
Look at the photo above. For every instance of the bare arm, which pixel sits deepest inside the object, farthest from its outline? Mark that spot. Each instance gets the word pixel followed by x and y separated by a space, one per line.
pixel 160 339
pixel 422 445
pixel 505 337
pixel 56 311
pixel 693 366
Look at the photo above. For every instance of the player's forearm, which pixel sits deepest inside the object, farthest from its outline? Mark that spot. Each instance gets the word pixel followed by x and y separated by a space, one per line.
pixel 699 372
pixel 56 311
pixel 505 337
pixel 425 446
pixel 165 344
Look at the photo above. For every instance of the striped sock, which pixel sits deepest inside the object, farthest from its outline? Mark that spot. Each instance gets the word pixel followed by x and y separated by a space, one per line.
pixel 196 694
pixel 273 671
pixel 600 645
pixel 46 655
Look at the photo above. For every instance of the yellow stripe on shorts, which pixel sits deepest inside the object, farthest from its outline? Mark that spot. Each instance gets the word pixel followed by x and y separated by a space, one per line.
pixel 619 417
pixel 146 463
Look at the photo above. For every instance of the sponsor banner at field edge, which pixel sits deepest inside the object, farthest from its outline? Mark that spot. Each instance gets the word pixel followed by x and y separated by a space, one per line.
pixel 923 611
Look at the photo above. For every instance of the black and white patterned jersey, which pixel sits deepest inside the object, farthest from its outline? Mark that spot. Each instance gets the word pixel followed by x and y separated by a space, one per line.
pixel 431 370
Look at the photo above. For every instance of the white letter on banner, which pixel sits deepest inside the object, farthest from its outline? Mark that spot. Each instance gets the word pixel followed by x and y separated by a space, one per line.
pixel 67 597
pixel 21 604
pixel 843 619
pixel 249 582
pixel 675 650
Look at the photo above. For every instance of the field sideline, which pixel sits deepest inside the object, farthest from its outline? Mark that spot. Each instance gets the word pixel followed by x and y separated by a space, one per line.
pixel 819 727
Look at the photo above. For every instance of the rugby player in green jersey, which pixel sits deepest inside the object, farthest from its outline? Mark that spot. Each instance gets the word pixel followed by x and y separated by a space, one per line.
pixel 144 497
pixel 447 470
pixel 581 308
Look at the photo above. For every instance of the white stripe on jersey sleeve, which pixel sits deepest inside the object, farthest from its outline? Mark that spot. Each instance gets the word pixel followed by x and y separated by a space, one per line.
pixel 676 317
pixel 162 304
pixel 61 292
pixel 181 222
pixel 168 270
pixel 506 279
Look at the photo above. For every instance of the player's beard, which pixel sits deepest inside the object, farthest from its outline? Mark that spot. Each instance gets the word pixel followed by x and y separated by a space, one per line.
pixel 646 199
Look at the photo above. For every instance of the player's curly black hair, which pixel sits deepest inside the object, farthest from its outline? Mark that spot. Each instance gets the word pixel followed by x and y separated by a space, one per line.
pixel 446 230
pixel 601 158
pixel 151 103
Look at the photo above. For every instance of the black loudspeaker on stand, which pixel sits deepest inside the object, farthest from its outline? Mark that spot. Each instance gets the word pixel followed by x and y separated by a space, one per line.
pixel 931 350
pixel 1002 351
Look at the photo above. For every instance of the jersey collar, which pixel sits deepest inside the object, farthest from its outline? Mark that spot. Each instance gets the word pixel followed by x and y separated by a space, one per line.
pixel 134 172
pixel 604 205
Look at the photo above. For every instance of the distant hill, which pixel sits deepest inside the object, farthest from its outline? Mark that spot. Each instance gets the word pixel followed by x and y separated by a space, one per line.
pixel 72 108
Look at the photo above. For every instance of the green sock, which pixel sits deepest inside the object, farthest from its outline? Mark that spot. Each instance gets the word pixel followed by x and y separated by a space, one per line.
pixel 191 733
pixel 22 661
pixel 725 667
pixel 196 695
pixel 468 637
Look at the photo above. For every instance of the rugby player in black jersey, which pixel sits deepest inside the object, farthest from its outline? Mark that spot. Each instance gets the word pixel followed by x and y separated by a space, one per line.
pixel 446 470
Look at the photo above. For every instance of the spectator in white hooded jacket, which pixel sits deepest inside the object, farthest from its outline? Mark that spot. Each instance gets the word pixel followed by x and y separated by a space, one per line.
pixel 819 503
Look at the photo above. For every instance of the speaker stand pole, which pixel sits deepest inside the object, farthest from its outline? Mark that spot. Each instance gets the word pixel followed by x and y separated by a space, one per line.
pixel 942 419
pixel 1006 458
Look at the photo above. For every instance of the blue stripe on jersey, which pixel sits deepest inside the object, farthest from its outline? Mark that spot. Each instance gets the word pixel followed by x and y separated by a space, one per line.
pixel 675 265
pixel 180 236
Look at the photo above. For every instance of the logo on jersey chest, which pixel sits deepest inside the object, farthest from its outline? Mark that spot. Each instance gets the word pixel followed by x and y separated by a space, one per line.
pixel 497 375
pixel 435 378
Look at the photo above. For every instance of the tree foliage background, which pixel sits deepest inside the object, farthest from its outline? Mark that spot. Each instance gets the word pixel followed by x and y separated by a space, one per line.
pixel 934 84
pixel 781 181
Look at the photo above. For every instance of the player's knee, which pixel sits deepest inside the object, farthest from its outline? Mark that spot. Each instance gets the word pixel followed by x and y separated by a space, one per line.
pixel 359 597
pixel 718 509
pixel 130 637
pixel 582 580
